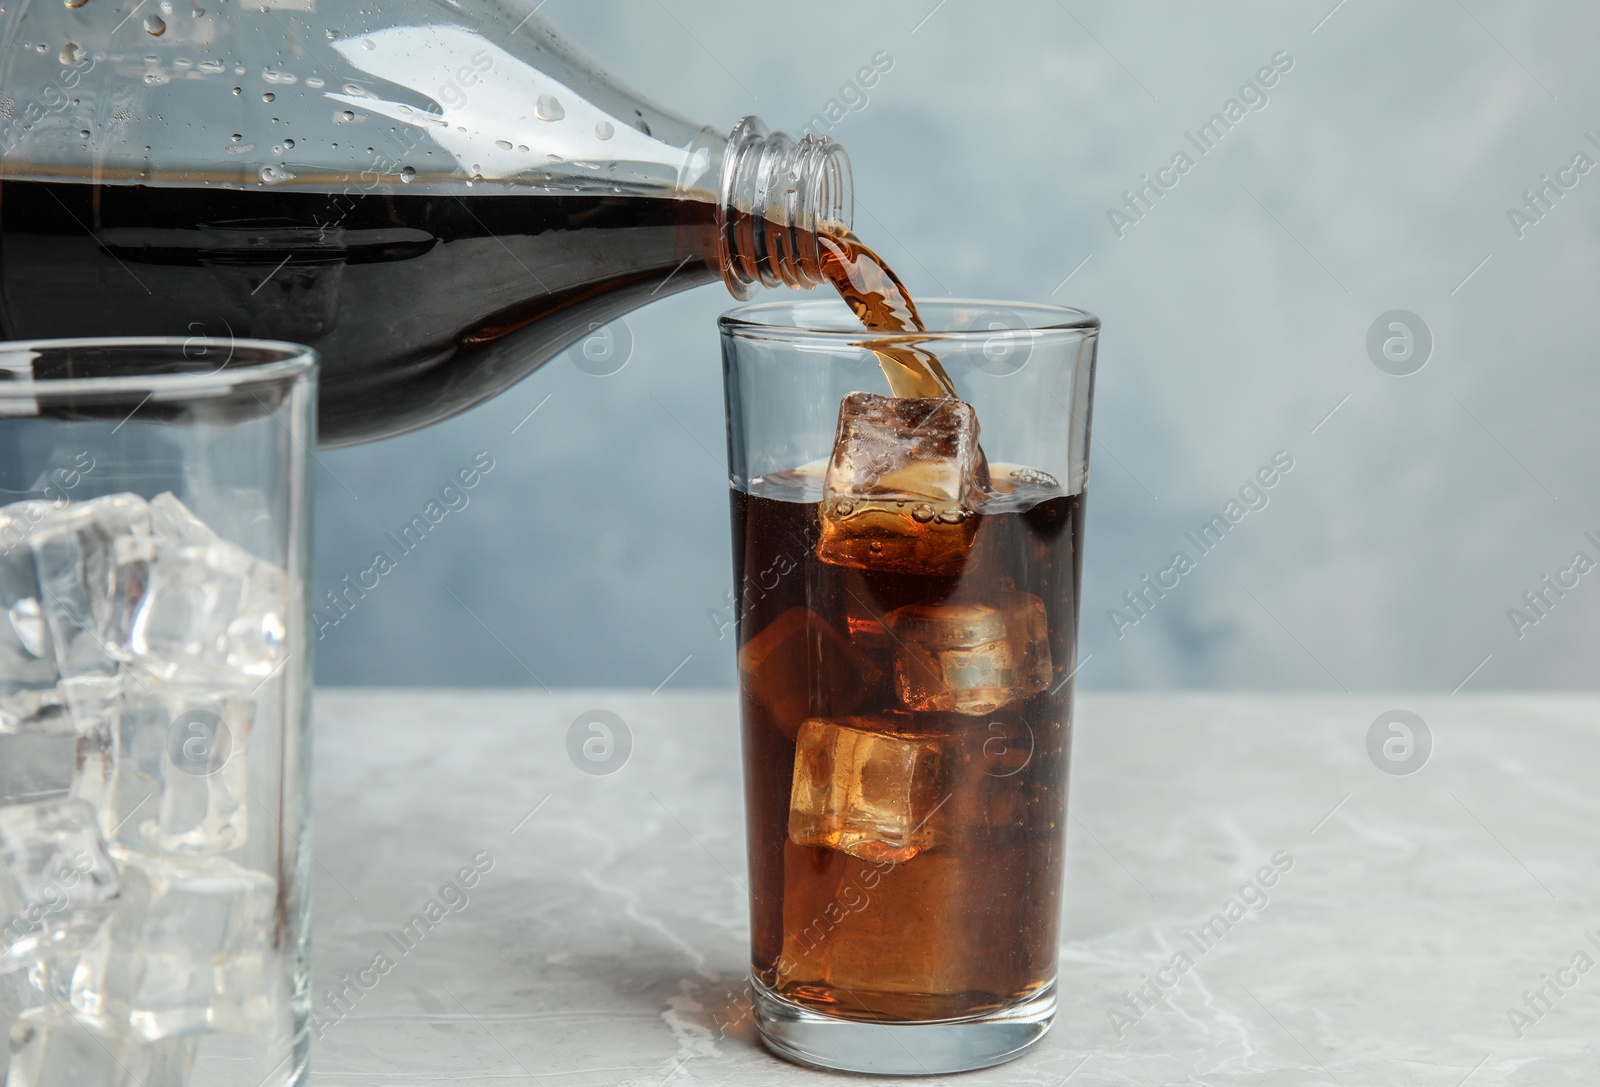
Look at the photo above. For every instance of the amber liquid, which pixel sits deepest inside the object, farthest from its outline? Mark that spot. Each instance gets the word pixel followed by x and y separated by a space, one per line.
pixel 968 924
pixel 881 303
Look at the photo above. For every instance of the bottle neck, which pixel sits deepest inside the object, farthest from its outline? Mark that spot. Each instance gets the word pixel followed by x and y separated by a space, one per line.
pixel 777 195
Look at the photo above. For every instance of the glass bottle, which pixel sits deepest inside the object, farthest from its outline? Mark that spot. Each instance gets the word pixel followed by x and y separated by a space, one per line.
pixel 438 200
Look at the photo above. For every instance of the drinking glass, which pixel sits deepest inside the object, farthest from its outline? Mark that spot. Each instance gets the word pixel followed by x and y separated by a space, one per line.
pixel 154 682
pixel 907 580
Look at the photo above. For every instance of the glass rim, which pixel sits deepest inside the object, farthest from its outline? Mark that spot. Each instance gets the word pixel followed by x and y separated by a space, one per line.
pixel 286 362
pixel 747 320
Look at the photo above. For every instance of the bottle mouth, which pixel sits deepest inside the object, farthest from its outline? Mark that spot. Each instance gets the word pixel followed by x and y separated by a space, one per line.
pixel 777 195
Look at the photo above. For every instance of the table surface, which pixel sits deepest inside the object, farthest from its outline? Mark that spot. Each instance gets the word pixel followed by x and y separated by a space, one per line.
pixel 605 939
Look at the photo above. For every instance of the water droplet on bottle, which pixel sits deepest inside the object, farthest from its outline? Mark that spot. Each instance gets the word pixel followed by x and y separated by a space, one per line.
pixel 268 174
pixel 347 116
pixel 504 145
pixel 76 3
pixel 83 133
pixel 288 143
pixel 155 25
pixel 408 175
pixel 603 130
pixel 211 66
pixel 922 513
pixel 522 147
pixel 844 507
pixel 70 53
pixel 237 91
pixel 314 83
pixel 237 136
pixel 368 44
pixel 547 108
pixel 267 96
pixel 198 12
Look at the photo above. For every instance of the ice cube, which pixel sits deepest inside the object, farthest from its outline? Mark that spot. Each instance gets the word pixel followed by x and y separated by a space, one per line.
pixel 903 486
pixel 799 666
pixel 866 786
pixel 971 658
pixel 57 882
pixel 175 524
pixel 29 698
pixel 186 950
pixel 93 560
pixel 168 773
pixel 35 766
pixel 213 613
pixel 51 1047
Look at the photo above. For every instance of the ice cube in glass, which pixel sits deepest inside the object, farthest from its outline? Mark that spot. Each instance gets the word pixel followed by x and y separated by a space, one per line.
pixel 57 882
pixel 93 560
pixel 169 772
pixel 798 666
pixel 213 613
pixel 971 658
pixel 186 950
pixel 36 766
pixel 29 698
pixel 903 486
pixel 52 1047
pixel 866 786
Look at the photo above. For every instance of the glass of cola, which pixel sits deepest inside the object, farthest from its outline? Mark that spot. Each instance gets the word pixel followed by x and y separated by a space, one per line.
pixel 906 576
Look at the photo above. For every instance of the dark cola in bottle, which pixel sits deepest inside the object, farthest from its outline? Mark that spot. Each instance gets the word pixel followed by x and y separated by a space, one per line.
pixel 438 202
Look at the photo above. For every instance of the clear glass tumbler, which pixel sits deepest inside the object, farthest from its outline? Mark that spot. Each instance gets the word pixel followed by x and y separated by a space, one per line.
pixel 154 683
pixel 907 582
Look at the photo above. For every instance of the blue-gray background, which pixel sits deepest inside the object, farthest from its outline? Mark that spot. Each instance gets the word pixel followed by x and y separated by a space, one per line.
pixel 1378 177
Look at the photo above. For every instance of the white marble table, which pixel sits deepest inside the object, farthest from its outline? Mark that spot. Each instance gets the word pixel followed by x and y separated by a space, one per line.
pixel 606 944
